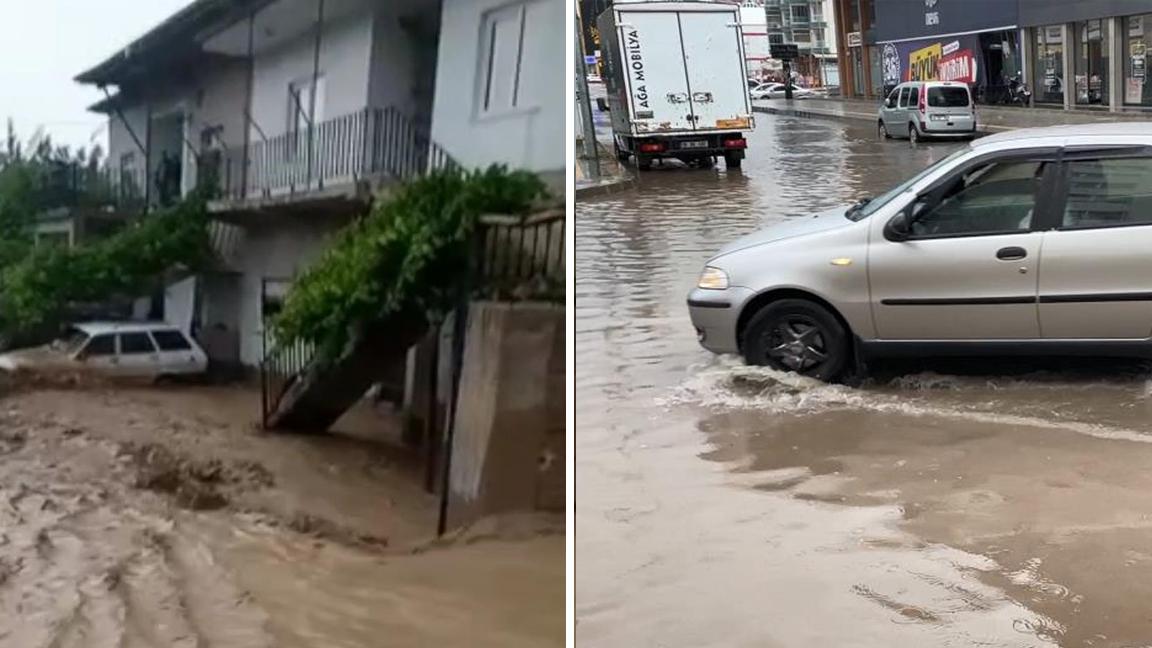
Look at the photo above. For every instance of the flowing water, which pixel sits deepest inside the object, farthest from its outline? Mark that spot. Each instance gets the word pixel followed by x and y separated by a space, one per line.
pixel 958 503
pixel 135 518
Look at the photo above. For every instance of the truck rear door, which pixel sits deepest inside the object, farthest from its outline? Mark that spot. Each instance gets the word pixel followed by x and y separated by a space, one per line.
pixel 714 59
pixel 654 69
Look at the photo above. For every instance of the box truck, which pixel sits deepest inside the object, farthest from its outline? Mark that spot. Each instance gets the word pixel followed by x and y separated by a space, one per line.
pixel 676 81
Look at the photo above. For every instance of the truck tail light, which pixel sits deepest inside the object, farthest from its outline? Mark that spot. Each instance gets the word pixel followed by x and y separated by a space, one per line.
pixel 652 147
pixel 736 143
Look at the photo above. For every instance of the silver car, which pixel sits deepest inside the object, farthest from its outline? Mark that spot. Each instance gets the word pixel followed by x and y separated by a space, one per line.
pixel 920 109
pixel 1036 241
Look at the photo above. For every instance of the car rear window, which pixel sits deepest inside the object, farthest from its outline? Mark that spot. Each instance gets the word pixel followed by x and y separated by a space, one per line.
pixel 171 340
pixel 947 97
pixel 136 343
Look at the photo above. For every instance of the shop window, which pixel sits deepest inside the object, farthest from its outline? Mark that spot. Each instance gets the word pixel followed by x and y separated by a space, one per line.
pixel 1048 82
pixel 1091 62
pixel 1136 45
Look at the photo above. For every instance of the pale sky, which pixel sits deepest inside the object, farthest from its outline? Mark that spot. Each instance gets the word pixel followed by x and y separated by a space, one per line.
pixel 47 42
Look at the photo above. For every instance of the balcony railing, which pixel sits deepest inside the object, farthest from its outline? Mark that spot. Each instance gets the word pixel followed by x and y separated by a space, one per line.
pixel 371 143
pixel 72 185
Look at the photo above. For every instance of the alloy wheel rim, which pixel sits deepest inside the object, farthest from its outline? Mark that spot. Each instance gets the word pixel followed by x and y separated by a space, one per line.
pixel 797 343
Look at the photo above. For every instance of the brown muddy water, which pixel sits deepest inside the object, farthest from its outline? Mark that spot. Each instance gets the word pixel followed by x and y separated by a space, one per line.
pixel 962 503
pixel 145 518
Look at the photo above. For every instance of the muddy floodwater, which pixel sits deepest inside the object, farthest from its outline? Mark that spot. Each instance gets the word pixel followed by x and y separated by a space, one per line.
pixel 148 518
pixel 961 503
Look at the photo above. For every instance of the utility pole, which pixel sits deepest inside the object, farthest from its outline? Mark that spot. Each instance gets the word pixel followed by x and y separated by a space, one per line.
pixel 584 104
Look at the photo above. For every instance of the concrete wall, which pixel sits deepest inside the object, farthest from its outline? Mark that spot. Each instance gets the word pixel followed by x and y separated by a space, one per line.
pixel 509 444
pixel 279 252
pixel 530 137
pixel 344 63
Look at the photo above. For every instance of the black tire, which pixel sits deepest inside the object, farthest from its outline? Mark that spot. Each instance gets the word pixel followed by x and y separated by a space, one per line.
pixel 733 160
pixel 882 130
pixel 913 133
pixel 817 344
pixel 621 154
pixel 643 162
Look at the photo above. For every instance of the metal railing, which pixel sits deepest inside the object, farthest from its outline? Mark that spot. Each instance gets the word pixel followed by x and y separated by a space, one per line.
pixel 520 258
pixel 280 367
pixel 373 142
pixel 76 185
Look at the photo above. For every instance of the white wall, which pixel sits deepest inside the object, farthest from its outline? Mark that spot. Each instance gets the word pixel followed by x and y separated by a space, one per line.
pixel 345 51
pixel 278 252
pixel 532 137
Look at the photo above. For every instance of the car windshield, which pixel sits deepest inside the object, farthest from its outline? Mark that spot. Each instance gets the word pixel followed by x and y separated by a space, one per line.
pixel 947 97
pixel 865 209
pixel 72 342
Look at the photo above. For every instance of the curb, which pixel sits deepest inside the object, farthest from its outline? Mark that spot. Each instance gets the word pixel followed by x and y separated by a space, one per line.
pixel 606 187
pixel 987 129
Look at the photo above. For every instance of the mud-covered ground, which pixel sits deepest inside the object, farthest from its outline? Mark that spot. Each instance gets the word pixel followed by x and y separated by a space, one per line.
pixel 136 517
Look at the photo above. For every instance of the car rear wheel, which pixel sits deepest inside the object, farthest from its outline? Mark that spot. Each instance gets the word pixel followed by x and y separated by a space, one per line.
pixel 643 162
pixel 913 134
pixel 733 160
pixel 797 335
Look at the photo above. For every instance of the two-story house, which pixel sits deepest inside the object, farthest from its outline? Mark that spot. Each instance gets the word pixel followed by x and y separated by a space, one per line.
pixel 294 112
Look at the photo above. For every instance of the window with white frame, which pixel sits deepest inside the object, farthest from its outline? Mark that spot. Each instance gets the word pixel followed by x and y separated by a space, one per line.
pixel 776 39
pixel 800 13
pixel 801 36
pixel 817 11
pixel 818 36
pixel 502 59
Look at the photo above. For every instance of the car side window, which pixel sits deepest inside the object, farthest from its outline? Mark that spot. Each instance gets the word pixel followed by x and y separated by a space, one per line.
pixel 993 198
pixel 1113 192
pixel 914 96
pixel 136 343
pixel 101 345
pixel 171 340
pixel 904 97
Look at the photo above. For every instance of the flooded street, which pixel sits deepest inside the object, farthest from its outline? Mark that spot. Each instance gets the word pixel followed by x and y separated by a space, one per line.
pixel 147 518
pixel 941 503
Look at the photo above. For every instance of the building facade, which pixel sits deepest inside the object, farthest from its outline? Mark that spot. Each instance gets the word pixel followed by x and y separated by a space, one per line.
pixel 294 112
pixel 890 41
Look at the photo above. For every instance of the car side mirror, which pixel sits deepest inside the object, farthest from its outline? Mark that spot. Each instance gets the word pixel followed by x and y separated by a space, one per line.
pixel 898 228
pixel 890 103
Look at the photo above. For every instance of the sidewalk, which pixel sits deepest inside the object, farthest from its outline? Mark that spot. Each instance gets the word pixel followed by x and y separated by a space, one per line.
pixel 613 176
pixel 990 119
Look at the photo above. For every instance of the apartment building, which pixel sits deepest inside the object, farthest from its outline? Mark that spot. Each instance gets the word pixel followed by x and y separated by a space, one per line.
pixel 803 22
pixel 296 112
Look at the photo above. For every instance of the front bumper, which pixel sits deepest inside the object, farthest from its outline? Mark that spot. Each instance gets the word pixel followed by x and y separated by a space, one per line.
pixel 714 314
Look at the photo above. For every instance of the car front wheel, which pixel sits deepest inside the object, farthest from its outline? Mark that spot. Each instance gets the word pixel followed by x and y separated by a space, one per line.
pixel 882 130
pixel 797 335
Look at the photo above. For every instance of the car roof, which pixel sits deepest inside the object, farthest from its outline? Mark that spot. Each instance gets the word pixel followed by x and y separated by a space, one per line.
pixel 1117 131
pixel 101 328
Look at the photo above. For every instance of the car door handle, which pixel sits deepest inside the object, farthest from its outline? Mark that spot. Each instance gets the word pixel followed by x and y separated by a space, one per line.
pixel 1011 253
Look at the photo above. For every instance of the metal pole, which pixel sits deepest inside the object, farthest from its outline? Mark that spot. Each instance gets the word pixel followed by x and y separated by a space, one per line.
pixel 248 106
pixel 315 78
pixel 584 102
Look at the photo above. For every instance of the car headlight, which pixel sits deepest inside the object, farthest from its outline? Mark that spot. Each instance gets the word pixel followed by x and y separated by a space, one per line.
pixel 713 279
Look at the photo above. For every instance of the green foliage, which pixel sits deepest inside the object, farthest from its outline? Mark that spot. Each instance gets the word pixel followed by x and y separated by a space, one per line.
pixel 411 253
pixel 37 289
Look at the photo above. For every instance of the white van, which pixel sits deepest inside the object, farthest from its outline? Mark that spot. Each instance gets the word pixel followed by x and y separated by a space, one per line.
pixel 922 109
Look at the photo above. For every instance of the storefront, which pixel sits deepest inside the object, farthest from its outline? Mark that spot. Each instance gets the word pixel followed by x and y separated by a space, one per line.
pixel 965 41
pixel 985 61
pixel 1085 43
pixel 1137 42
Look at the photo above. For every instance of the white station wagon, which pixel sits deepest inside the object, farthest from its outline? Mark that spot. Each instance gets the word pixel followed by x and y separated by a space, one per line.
pixel 118 349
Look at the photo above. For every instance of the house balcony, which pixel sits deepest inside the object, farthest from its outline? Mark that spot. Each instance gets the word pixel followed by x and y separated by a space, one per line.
pixel 334 165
